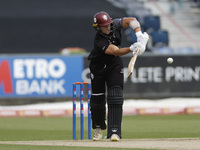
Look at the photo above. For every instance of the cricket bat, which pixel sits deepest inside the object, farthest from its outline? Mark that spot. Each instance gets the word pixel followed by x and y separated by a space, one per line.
pixel 132 64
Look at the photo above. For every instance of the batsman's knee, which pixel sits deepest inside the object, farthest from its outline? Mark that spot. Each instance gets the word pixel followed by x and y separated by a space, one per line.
pixel 115 95
pixel 97 101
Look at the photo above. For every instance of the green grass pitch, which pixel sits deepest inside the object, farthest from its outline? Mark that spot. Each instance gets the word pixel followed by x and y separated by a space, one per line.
pixel 60 128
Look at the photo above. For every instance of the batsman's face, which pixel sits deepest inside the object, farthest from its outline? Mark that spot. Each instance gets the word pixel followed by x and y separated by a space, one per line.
pixel 105 29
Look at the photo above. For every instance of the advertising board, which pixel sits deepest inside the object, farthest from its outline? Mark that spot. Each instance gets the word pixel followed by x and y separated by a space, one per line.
pixel 39 76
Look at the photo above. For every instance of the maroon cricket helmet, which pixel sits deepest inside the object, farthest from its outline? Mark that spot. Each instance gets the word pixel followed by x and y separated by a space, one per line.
pixel 102 19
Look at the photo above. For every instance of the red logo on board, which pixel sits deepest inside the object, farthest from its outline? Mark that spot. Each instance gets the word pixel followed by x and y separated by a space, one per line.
pixel 5 77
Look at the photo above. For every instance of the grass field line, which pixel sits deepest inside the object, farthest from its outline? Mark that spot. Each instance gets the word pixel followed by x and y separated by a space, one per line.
pixel 158 143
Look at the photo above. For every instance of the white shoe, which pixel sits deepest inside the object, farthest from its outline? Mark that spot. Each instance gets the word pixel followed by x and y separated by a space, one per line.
pixel 114 138
pixel 97 134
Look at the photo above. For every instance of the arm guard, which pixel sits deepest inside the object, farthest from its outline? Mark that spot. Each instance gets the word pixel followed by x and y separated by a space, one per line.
pixel 134 24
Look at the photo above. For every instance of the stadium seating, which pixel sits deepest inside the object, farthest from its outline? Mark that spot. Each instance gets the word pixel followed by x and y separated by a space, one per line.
pixel 160 38
pixel 151 23
pixel 195 3
pixel 140 14
pixel 185 50
pixel 164 50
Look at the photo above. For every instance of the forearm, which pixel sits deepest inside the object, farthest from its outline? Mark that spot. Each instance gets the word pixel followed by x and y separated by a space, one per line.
pixel 114 50
pixel 122 51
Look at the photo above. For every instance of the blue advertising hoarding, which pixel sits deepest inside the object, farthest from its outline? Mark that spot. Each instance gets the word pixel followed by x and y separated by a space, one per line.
pixel 39 76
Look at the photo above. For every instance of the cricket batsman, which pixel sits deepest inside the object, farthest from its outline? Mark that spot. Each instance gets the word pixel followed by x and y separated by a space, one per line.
pixel 106 70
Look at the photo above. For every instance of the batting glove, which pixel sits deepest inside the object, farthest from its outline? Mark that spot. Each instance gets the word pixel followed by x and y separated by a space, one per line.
pixel 136 48
pixel 143 38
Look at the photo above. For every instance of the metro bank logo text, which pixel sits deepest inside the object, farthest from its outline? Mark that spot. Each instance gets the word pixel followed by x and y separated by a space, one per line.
pixel 35 77
pixel 39 76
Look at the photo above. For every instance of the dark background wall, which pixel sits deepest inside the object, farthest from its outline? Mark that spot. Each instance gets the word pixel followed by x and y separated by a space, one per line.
pixel 38 26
